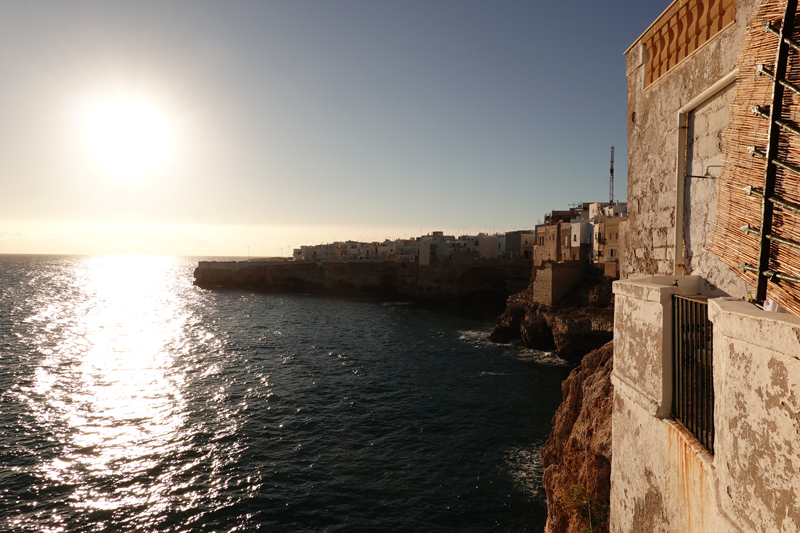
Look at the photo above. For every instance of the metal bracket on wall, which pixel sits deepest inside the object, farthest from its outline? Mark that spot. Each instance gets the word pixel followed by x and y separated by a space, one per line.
pixel 772 163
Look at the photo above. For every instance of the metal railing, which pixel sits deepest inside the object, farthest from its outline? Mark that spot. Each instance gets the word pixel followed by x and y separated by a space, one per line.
pixel 692 368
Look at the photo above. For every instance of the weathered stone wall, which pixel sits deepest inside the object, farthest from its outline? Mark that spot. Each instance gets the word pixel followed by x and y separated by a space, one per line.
pixel 704 155
pixel 653 143
pixel 757 382
pixel 661 478
pixel 550 249
pixel 641 331
pixel 552 282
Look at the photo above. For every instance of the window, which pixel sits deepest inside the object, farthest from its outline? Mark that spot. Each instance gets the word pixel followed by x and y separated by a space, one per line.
pixel 693 367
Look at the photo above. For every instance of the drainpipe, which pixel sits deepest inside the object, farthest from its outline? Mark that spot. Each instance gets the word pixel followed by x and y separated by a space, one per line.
pixel 680 173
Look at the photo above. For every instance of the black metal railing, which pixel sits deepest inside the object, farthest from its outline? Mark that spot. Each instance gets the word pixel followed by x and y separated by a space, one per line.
pixel 692 368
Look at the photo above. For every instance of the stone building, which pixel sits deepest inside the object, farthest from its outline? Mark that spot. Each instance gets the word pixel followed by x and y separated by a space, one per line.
pixel 520 243
pixel 706 416
pixel 548 244
pixel 609 234
pixel 680 85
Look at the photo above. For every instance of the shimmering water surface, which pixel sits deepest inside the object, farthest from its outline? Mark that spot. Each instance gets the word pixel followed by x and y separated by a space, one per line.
pixel 134 401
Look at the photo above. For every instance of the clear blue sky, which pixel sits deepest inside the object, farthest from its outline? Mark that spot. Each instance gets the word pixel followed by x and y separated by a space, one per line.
pixel 297 122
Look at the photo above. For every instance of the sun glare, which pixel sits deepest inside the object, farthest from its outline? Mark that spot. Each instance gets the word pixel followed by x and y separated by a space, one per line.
pixel 128 136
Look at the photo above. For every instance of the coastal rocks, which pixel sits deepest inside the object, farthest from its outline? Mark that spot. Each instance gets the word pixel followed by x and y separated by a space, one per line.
pixel 576 332
pixel 577 457
pixel 570 332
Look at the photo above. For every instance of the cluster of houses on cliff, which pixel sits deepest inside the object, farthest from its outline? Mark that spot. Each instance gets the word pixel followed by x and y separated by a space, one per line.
pixel 426 249
pixel 589 231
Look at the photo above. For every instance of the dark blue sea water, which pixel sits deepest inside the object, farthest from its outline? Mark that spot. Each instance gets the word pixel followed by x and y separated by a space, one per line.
pixel 134 401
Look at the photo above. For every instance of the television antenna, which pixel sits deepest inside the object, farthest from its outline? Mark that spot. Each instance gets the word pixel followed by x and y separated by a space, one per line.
pixel 611 179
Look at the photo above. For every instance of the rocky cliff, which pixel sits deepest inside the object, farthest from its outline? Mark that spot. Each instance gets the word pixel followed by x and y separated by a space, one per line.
pixel 577 457
pixel 473 279
pixel 583 322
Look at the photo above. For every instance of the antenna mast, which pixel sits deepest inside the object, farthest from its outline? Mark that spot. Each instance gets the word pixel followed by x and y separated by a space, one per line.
pixel 611 179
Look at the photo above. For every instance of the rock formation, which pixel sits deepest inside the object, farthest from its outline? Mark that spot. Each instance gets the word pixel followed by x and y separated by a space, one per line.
pixel 577 457
pixel 581 323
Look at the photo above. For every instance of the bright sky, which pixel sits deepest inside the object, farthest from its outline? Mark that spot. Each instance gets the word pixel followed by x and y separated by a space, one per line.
pixel 227 128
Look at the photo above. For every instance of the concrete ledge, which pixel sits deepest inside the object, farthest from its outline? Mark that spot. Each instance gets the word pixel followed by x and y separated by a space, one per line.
pixel 652 288
pixel 742 320
pixel 691 441
pixel 643 291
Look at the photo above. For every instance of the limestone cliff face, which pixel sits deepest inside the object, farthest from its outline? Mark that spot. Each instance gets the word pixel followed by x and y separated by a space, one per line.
pixel 577 457
pixel 570 332
pixel 393 279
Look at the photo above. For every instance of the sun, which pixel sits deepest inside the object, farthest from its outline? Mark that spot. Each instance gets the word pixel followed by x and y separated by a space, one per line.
pixel 126 135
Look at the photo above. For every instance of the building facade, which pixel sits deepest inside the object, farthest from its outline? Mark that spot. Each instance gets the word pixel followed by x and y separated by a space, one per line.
pixel 706 416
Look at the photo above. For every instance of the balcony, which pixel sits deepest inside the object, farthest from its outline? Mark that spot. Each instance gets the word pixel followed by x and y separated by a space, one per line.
pixel 706 409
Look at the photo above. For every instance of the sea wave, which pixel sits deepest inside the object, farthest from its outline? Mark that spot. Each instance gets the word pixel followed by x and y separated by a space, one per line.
pixel 480 338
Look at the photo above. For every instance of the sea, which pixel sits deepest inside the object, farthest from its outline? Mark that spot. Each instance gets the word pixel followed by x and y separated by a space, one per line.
pixel 133 400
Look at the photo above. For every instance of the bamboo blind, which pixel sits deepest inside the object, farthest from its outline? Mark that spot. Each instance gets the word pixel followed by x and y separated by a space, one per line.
pixel 734 207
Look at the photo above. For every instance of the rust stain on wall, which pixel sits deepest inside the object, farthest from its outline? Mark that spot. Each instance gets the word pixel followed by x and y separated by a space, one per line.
pixel 691 478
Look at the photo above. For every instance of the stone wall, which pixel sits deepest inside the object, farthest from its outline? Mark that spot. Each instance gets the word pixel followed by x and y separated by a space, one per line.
pixel 552 282
pixel 649 244
pixel 757 374
pixel 659 479
pixel 550 247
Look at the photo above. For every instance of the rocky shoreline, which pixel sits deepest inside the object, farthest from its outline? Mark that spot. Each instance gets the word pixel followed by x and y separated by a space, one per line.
pixel 581 323
pixel 576 459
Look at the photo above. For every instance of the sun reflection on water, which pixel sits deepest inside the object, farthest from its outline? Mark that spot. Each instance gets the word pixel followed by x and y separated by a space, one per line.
pixel 113 392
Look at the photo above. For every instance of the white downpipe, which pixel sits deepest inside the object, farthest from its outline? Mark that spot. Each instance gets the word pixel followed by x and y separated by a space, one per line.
pixel 680 172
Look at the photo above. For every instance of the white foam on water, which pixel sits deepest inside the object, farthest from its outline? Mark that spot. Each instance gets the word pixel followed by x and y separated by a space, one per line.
pixel 481 338
pixel 540 357
pixel 475 337
pixel 397 304
pixel 525 469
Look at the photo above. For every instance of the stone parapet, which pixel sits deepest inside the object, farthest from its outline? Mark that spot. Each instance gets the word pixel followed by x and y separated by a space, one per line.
pixel 662 478
pixel 757 417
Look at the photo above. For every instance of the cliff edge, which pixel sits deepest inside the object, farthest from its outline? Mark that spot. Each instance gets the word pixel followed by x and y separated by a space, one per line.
pixel 468 281
pixel 577 456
